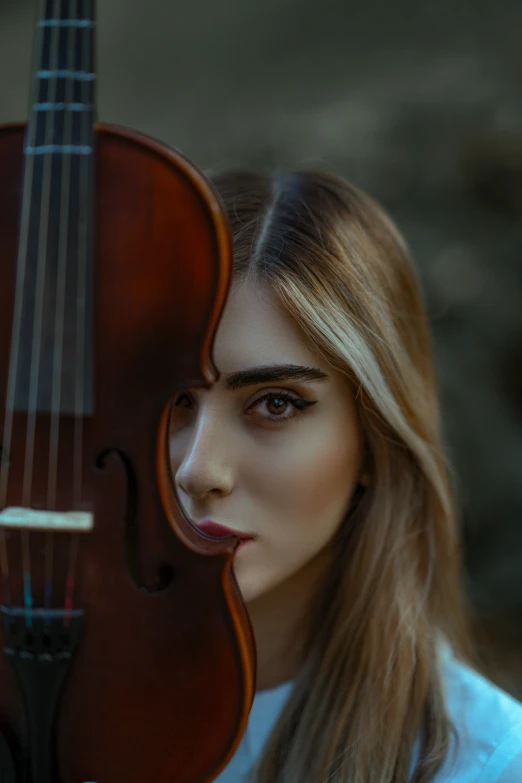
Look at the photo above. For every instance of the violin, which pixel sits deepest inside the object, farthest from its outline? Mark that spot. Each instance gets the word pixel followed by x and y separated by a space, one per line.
pixel 127 651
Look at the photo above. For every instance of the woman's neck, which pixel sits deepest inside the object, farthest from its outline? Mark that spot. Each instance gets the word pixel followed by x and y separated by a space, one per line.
pixel 279 620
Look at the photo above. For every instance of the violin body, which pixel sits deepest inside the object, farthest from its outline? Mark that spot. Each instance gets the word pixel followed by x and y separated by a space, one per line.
pixel 148 672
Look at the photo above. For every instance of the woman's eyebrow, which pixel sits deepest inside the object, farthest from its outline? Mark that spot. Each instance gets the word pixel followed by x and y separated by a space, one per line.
pixel 273 372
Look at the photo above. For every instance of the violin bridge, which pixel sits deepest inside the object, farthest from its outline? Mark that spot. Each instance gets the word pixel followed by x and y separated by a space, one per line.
pixel 54 521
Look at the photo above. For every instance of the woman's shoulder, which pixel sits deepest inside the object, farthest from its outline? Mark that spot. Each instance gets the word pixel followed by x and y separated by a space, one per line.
pixel 488 722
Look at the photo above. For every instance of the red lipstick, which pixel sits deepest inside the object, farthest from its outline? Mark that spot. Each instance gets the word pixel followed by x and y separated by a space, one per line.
pixel 221 531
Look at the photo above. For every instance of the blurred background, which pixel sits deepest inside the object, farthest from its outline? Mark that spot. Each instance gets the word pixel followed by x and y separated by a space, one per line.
pixel 420 104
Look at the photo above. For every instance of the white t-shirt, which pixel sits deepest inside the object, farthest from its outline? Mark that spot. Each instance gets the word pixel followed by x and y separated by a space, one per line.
pixel 488 721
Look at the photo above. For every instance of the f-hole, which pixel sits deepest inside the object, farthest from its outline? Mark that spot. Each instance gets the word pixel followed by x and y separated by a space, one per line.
pixel 165 574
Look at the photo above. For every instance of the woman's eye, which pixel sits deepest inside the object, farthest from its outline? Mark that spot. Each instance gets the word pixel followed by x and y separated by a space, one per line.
pixel 281 406
pixel 276 407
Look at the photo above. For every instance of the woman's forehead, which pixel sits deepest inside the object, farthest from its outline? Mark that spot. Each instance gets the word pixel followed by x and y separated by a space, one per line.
pixel 255 330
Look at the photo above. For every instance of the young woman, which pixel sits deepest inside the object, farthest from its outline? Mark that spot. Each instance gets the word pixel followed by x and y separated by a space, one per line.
pixel 321 443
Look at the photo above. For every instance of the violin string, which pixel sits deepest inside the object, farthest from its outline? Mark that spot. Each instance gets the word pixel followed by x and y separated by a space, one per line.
pixel 21 265
pixel 81 285
pixel 21 269
pixel 63 240
pixel 41 266
pixel 69 582
pixel 84 226
pixel 71 578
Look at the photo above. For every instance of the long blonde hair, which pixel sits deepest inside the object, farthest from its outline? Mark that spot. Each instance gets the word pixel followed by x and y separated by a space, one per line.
pixel 371 678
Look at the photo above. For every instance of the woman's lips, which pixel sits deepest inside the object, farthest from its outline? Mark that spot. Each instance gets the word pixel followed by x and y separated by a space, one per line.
pixel 221 531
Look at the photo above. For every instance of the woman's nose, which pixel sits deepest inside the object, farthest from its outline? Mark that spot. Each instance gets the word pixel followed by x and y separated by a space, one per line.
pixel 206 465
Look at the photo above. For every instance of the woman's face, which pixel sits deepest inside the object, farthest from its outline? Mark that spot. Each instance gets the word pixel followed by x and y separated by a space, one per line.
pixel 273 449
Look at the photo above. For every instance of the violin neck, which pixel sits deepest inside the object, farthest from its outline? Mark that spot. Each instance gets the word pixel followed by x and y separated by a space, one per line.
pixel 55 266
pixel 62 112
